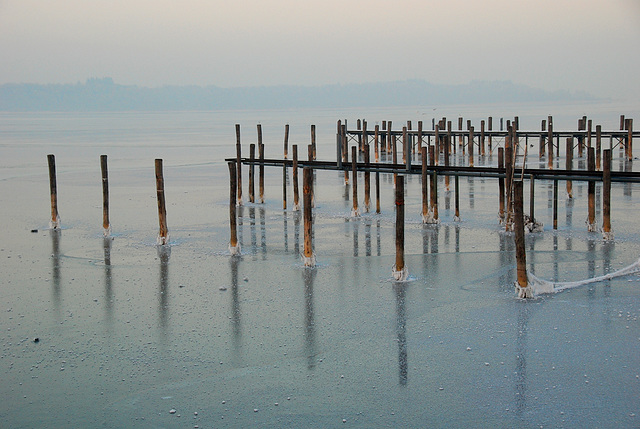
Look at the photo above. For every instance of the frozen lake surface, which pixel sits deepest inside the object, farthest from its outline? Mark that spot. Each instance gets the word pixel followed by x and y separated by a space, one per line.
pixel 120 333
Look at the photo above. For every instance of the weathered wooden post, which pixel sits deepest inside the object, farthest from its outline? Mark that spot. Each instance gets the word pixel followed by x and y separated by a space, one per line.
pixel 54 223
pixel 389 124
pixel 509 173
pixel 252 158
pixel 377 192
pixel 482 151
pixel 555 204
pixel 532 197
pixel 400 271
pixel 405 146
pixel 522 285
pixel 355 212
pixel 234 246
pixel 460 137
pixel 376 138
pixel 550 141
pixel 447 161
pixel 310 155
pixel 106 225
pixel 261 167
pixel 591 166
pixel 432 216
pixel 296 196
pixel 490 126
pixel 239 163
pixel 345 153
pixel 569 165
pixel 286 141
pixel 313 141
pixel 425 186
pixel 598 146
pixel 470 146
pixel 420 135
pixel 163 234
pixel 629 139
pixel 436 141
pixel 542 148
pixel 607 234
pixel 307 189
pixel 501 192
pixel 367 178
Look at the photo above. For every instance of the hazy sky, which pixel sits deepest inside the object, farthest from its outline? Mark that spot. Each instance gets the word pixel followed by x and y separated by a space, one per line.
pixel 554 44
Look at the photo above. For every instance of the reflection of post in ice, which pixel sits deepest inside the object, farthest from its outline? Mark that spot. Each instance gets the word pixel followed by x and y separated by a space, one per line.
pixel 55 264
pixel 296 231
pixel 286 231
pixel 254 237
pixel 108 288
pixel 378 239
pixel 164 252
pixel 308 275
pixel 367 237
pixel 235 306
pixel 401 331
pixel 591 255
pixel 263 233
pixel 355 238
pixel 521 357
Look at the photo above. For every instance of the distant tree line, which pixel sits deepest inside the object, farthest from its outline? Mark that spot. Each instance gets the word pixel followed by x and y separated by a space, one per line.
pixel 103 94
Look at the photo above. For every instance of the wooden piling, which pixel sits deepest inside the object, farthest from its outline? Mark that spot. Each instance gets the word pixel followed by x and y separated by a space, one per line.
pixel 425 186
pixel 482 150
pixel 296 196
pixel 54 223
pixel 307 189
pixel 490 126
pixel 376 138
pixel 436 141
pixel 406 152
pixel 433 191
pixel 252 158
pixel 629 145
pixel 447 161
pixel 550 141
pixel 501 189
pixel 591 166
pixel 367 178
pixel 163 234
pixel 460 137
pixel 524 291
pixel 377 192
pixel 399 269
pixel 457 198
pixel 106 225
pixel 542 148
pixel 354 180
pixel 234 247
pixel 470 146
pixel 261 166
pixel 598 146
pixel 286 141
pixel 569 165
pixel 389 124
pixel 606 195
pixel 239 163
pixel 345 153
pixel 313 141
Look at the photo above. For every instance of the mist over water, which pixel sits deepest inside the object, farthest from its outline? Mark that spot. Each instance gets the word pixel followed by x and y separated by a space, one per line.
pixel 119 332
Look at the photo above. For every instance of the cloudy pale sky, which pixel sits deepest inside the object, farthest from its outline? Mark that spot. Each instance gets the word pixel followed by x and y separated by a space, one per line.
pixel 591 45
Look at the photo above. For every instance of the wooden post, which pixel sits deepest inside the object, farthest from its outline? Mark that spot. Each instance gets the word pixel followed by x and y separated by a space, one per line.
pixel 591 166
pixel 555 204
pixel 447 148
pixel 54 223
pixel 339 145
pixel 307 189
pixel 606 196
pixel 435 160
pixel 569 165
pixel 457 197
pixel 598 146
pixel 106 225
pixel 378 192
pixel 501 193
pixel 367 178
pixel 345 153
pixel 470 146
pixel 550 141
pixel 261 168
pixel 163 234
pixel 239 163
pixel 532 195
pixel 460 137
pixel 354 179
pixel 313 141
pixel 543 127
pixel 286 141
pixel 433 201
pixel 523 289
pixel 310 155
pixel 252 158
pixel 447 161
pixel 419 135
pixel 296 196
pixel 482 152
pixel 399 270
pixel 490 125
pixel 508 167
pixel 234 246
pixel 405 146
pixel 629 139
pixel 376 137
pixel 425 186
pixel 389 123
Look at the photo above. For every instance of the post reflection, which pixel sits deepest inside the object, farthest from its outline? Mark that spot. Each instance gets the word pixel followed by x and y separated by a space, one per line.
pixel 399 289
pixel 308 275
pixel 472 193
pixel 263 233
pixel 285 227
pixel 296 232
pixel 521 357
pixel 164 252
pixel 108 287
pixel 236 320
pixel 55 266
pixel 254 234
pixel 356 245
pixel 367 237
